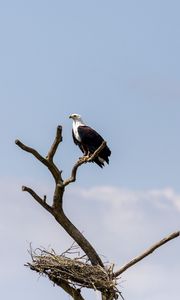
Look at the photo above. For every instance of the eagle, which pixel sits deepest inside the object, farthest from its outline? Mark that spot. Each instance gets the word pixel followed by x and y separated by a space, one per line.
pixel 89 140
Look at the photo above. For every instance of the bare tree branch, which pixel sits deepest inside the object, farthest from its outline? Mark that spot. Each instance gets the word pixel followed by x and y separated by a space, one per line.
pixel 146 253
pixel 72 178
pixel 81 161
pixel 34 152
pixel 57 141
pixel 58 197
pixel 37 198
pixel 48 163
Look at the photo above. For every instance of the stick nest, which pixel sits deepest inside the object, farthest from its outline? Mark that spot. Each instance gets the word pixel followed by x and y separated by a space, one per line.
pixel 74 271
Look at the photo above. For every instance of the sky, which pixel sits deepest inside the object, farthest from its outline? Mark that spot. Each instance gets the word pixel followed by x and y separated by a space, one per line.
pixel 117 64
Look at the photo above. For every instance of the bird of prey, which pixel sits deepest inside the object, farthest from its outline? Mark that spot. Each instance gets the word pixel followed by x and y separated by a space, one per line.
pixel 89 140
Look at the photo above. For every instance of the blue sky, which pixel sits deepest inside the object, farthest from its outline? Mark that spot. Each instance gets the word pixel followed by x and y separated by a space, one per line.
pixel 117 64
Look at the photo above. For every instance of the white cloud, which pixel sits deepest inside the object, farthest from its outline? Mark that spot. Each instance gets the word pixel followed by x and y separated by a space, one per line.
pixel 169 195
pixel 122 196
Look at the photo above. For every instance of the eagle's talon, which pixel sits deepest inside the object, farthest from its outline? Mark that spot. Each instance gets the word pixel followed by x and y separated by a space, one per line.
pixel 86 157
pixel 83 159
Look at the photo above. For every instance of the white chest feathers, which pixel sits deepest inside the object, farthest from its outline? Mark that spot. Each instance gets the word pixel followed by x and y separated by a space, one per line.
pixel 76 124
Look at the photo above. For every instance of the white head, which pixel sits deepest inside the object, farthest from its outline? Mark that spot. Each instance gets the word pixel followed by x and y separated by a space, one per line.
pixel 76 118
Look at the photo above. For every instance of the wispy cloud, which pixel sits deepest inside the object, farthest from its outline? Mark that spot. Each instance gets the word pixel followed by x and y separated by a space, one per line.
pixel 122 196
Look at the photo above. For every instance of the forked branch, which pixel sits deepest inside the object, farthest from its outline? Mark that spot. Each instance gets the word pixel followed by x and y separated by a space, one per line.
pixel 146 253
pixel 56 209
pixel 56 173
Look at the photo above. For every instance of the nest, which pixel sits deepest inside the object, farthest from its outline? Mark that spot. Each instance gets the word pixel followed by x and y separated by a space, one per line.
pixel 74 271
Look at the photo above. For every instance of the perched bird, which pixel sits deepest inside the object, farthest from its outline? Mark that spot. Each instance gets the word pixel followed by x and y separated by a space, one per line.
pixel 89 140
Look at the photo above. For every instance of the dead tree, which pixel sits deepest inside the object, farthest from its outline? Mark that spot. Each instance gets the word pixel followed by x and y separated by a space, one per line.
pixel 87 271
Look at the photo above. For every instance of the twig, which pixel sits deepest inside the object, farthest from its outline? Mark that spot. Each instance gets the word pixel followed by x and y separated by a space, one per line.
pixel 146 253
pixel 81 161
pixel 71 249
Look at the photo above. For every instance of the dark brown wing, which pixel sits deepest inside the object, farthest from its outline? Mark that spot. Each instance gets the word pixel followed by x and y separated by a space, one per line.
pixel 92 140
